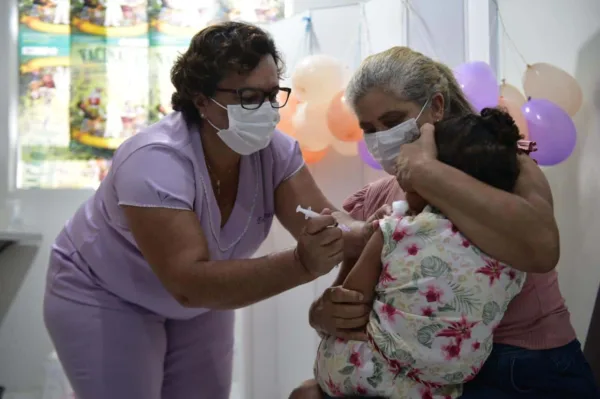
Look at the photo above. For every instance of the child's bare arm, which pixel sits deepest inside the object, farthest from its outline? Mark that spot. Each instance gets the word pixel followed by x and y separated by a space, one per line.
pixel 345 268
pixel 364 275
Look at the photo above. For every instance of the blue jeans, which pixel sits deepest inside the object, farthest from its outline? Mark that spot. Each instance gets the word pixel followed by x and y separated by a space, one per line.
pixel 513 373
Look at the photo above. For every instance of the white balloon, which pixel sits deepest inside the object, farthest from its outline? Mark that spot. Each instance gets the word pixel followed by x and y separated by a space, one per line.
pixel 546 81
pixel 318 78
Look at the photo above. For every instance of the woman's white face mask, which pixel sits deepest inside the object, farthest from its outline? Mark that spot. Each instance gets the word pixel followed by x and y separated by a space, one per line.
pixel 249 130
pixel 385 145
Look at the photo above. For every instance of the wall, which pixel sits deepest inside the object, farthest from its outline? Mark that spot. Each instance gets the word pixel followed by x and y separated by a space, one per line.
pixel 567 34
pixel 298 6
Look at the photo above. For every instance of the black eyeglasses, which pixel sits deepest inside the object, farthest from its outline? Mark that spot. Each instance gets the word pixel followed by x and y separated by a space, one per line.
pixel 251 98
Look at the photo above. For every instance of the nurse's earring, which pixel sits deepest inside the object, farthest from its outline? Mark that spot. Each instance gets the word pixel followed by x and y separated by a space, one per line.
pixel 200 103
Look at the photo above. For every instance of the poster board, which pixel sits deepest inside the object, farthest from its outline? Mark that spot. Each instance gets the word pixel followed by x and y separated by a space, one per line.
pixel 75 59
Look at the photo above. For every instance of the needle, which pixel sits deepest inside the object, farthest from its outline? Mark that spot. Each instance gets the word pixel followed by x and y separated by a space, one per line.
pixel 309 214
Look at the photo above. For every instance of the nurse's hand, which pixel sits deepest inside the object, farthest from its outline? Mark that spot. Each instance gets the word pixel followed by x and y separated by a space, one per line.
pixel 359 232
pixel 341 313
pixel 320 245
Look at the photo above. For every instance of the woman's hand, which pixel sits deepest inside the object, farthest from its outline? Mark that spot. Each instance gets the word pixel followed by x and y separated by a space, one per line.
pixel 341 313
pixel 359 232
pixel 515 228
pixel 320 245
pixel 414 154
pixel 416 203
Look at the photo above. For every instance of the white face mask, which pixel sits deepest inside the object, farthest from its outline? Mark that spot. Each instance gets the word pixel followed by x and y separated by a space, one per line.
pixel 249 130
pixel 384 146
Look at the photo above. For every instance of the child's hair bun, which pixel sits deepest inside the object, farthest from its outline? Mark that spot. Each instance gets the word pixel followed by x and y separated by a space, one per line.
pixel 501 125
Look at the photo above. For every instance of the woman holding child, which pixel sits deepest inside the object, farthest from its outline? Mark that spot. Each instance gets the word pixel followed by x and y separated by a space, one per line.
pixel 536 353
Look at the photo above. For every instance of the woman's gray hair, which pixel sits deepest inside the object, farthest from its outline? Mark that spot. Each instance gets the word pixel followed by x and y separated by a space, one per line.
pixel 411 76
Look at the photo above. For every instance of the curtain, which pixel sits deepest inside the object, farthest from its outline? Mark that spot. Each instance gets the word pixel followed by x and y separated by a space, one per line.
pixel 95 72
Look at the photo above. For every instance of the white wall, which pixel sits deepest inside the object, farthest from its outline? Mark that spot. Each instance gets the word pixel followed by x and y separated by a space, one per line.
pixel 298 6
pixel 567 34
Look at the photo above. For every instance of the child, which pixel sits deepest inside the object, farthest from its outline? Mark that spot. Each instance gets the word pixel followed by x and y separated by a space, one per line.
pixel 436 297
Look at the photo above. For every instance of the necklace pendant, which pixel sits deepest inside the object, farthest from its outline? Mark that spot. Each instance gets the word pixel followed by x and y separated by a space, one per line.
pixel 218 188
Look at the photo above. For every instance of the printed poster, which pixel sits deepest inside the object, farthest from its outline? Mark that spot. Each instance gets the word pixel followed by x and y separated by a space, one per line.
pixel 44 78
pixel 94 72
pixel 109 74
pixel 45 159
pixel 173 23
pixel 255 11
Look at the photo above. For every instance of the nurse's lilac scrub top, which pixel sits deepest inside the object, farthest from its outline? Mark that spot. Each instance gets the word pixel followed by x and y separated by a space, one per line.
pixel 163 166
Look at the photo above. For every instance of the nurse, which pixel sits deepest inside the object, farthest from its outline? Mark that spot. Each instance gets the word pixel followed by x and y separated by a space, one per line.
pixel 143 279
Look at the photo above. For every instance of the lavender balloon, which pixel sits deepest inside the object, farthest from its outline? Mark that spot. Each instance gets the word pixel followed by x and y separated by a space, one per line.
pixel 479 84
pixel 553 130
pixel 366 157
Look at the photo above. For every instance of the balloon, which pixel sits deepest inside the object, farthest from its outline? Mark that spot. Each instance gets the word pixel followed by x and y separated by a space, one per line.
pixel 479 84
pixel 552 129
pixel 553 84
pixel 286 115
pixel 345 148
pixel 514 110
pixel 512 94
pixel 341 120
pixel 365 155
pixel 311 157
pixel 317 78
pixel 310 126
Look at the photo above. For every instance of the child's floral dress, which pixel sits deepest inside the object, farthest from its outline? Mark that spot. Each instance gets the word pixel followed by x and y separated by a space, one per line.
pixel 437 303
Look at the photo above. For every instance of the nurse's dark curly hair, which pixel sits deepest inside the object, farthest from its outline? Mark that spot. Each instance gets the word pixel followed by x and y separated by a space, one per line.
pixel 214 53
pixel 483 146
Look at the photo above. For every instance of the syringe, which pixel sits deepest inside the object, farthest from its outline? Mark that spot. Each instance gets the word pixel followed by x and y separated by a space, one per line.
pixel 309 214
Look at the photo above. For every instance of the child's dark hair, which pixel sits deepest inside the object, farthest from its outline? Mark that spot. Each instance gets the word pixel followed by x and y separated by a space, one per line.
pixel 483 146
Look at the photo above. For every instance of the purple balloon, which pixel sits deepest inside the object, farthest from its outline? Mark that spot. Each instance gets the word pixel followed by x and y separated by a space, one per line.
pixel 479 84
pixel 366 157
pixel 552 129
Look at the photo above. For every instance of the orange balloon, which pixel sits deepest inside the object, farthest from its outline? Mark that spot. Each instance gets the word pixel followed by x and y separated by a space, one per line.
pixel 311 157
pixel 512 94
pixel 286 115
pixel 310 126
pixel 546 81
pixel 515 111
pixel 341 120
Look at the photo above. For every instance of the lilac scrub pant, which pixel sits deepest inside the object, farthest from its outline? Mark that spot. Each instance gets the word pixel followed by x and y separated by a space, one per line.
pixel 117 350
